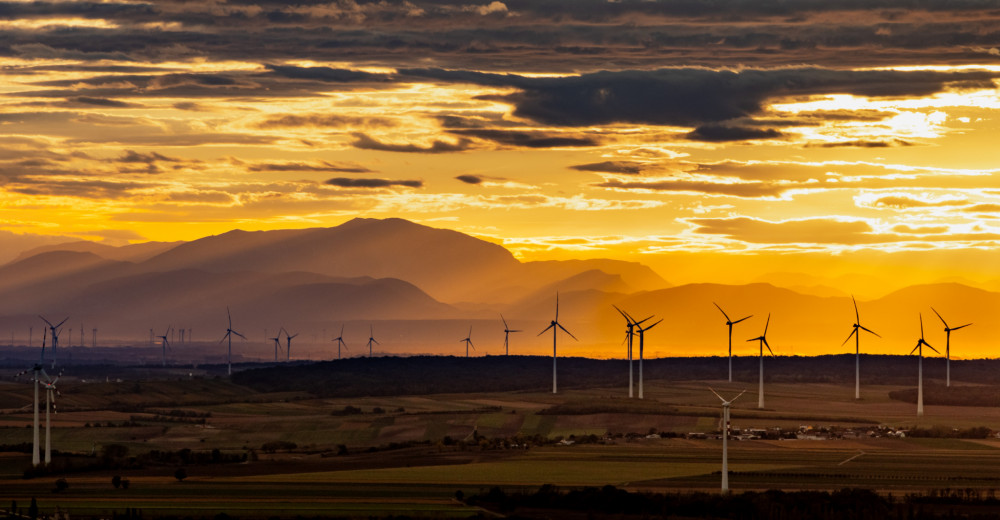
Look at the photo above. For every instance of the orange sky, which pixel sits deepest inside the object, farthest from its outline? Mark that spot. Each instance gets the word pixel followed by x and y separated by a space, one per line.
pixel 812 139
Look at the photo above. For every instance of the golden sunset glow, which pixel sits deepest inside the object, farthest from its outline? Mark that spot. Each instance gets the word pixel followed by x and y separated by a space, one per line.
pixel 710 149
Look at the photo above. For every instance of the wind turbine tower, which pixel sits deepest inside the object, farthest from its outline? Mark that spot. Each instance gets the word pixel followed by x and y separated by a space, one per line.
pixel 288 345
pixel 50 406
pixel 630 324
pixel 763 343
pixel 920 367
pixel 229 337
pixel 554 325
pixel 642 335
pixel 857 347
pixel 340 341
pixel 277 345
pixel 725 438
pixel 468 342
pixel 165 344
pixel 730 324
pixel 506 336
pixel 55 336
pixel 947 345
pixel 371 339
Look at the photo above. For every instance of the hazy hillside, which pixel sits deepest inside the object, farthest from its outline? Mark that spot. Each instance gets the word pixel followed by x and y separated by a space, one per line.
pixel 126 253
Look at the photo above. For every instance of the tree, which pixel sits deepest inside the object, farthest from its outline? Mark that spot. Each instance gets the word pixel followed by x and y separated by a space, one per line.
pixel 33 509
pixel 180 474
pixel 116 481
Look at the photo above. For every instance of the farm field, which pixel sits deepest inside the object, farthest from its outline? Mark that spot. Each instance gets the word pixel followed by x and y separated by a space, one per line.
pixel 409 455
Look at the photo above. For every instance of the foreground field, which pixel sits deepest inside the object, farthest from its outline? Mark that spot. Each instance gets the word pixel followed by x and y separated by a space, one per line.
pixel 409 455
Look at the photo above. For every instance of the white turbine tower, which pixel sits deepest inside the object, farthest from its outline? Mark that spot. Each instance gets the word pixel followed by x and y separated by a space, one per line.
pixel 857 347
pixel 229 336
pixel 763 343
pixel 288 345
pixel 642 335
pixel 36 371
pixel 630 324
pixel 340 341
pixel 468 342
pixel 730 324
pixel 947 345
pixel 725 438
pixel 506 336
pixel 920 367
pixel 50 405
pixel 555 325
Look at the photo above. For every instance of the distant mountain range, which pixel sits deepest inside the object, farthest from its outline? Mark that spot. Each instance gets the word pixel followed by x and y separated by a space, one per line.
pixel 422 288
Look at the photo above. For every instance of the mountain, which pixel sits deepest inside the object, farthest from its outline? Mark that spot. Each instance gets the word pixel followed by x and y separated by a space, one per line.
pixel 127 253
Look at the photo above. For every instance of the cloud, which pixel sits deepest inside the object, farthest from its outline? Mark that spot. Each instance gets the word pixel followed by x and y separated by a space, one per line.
pixel 723 133
pixel 343 182
pixel 887 143
pixel 805 231
pixel 529 139
pixel 364 142
pixel 907 202
pixel 324 120
pixel 734 189
pixel 983 208
pixel 323 166
pixel 470 179
pixel 920 230
pixel 622 167
pixel 327 74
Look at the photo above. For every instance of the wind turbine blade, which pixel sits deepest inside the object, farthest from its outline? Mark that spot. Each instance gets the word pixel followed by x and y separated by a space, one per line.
pixel 566 331
pixel 768 322
pixel 869 330
pixel 921 326
pixel 45 320
pixel 738 396
pixel 547 329
pixel 61 322
pixel 240 335
pixel 341 331
pixel 853 332
pixel 727 319
pixel 930 347
pixel 713 391
pixel 470 331
pixel 741 319
pixel 623 313
pixel 940 318
pixel 768 346
pixel 557 305
pixel 376 341
pixel 961 326
pixel 230 316
pixel 915 348
pixel 758 338
pixel 515 331
pixel 653 325
pixel 473 345
pixel 505 326
pixel 644 320
pixel 857 317
pixel 224 337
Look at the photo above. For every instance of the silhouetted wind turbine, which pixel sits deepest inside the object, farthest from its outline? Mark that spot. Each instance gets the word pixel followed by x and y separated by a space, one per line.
pixel 730 324
pixel 920 367
pixel 725 437
pixel 642 332
pixel 288 345
pixel 555 325
pixel 506 336
pixel 340 341
pixel 165 344
pixel 371 339
pixel 468 342
pixel 630 324
pixel 277 344
pixel 229 336
pixel 857 347
pixel 55 337
pixel 763 343
pixel 947 345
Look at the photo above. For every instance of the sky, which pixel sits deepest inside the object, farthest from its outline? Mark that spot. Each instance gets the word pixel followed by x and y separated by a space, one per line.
pixel 714 141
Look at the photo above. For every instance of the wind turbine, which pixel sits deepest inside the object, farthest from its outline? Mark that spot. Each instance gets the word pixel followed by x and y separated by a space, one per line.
pixel 730 324
pixel 55 336
pixel 920 367
pixel 277 344
pixel 506 336
pixel 371 339
pixel 288 345
pixel 468 342
pixel 340 341
pixel 857 347
pixel 229 336
pixel 947 345
pixel 555 325
pixel 165 344
pixel 642 331
pixel 763 343
pixel 725 438
pixel 36 369
pixel 50 405
pixel 630 324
